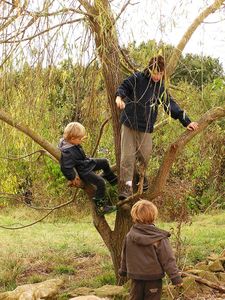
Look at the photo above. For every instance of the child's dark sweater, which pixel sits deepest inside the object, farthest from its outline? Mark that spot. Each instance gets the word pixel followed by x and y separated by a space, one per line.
pixel 73 160
pixel 142 97
pixel 147 254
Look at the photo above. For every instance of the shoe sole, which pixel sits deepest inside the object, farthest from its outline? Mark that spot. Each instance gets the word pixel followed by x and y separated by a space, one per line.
pixel 121 197
pixel 106 213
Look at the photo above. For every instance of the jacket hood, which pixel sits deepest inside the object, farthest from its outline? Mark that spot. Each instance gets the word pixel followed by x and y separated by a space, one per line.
pixel 147 234
pixel 64 144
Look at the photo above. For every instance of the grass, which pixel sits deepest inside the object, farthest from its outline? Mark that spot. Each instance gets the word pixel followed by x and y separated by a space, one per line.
pixel 204 236
pixel 74 250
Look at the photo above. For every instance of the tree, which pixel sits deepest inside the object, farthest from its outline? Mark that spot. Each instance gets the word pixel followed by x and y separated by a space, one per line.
pixel 197 70
pixel 100 20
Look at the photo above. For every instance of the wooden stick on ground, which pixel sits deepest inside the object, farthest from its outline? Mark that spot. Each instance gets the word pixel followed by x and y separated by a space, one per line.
pixel 205 282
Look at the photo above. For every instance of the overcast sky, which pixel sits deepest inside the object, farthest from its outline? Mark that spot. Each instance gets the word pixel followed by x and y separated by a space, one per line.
pixel 143 20
pixel 167 20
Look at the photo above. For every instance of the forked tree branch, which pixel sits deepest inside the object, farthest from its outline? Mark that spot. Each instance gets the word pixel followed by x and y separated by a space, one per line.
pixel 100 222
pixel 174 150
pixel 89 8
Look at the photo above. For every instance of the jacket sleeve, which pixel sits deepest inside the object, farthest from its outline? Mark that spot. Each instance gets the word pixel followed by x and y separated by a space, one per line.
pixel 172 108
pixel 67 164
pixel 123 266
pixel 168 261
pixel 127 86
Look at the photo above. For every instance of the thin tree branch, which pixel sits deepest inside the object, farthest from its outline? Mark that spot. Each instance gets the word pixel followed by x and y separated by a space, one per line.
pixel 9 41
pixel 214 22
pixel 100 135
pixel 28 225
pixel 11 196
pixel 122 10
pixel 174 87
pixel 186 37
pixel 58 206
pixel 213 202
pixel 33 135
pixel 64 10
pixel 128 62
pixel 205 282
pixel 160 124
pixel 44 217
pixel 41 152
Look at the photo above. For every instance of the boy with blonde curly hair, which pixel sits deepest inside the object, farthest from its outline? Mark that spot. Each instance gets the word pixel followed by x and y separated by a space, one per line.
pixel 75 165
pixel 147 254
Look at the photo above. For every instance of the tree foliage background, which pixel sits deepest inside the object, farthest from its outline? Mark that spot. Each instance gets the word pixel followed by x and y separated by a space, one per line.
pixel 48 98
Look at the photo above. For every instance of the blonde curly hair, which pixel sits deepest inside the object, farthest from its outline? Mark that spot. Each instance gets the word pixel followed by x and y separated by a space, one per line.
pixel 74 129
pixel 144 212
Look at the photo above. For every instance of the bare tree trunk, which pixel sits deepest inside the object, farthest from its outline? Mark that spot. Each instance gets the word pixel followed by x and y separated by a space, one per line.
pixel 104 32
pixel 113 238
pixel 107 45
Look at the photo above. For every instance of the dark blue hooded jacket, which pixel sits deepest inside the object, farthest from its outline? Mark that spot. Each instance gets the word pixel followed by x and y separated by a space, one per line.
pixel 74 160
pixel 142 97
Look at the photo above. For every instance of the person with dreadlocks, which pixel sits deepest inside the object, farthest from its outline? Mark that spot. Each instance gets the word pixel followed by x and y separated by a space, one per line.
pixel 139 97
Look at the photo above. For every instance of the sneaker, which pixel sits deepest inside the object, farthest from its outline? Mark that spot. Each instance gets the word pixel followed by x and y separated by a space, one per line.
pixel 126 192
pixel 145 183
pixel 103 210
pixel 110 177
pixel 113 181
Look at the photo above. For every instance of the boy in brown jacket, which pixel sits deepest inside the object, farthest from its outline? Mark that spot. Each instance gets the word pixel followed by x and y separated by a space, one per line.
pixel 147 254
